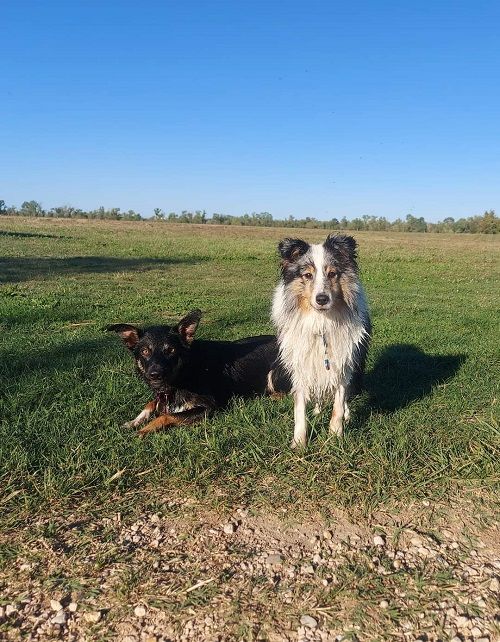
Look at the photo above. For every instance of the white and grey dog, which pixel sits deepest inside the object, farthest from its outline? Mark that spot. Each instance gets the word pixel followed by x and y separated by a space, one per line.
pixel 323 325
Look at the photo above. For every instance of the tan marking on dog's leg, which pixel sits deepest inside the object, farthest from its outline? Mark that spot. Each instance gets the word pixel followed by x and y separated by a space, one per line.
pixel 337 420
pixel 144 415
pixel 161 422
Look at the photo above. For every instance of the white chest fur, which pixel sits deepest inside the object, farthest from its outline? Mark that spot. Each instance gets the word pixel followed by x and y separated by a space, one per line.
pixel 302 337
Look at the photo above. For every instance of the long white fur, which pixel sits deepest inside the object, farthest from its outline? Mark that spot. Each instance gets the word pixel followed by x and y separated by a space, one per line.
pixel 302 350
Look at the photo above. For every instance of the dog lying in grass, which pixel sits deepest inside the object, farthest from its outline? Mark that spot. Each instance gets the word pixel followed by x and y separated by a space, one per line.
pixel 191 379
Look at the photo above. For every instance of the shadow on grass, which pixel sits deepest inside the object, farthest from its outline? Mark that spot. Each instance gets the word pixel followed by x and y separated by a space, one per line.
pixel 14 269
pixel 403 373
pixel 86 353
pixel 23 235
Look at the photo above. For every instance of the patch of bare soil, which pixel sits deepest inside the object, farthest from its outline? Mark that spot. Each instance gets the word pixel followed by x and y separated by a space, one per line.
pixel 188 573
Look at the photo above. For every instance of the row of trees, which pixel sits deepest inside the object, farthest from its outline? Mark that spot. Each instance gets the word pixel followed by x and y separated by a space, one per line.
pixel 487 223
pixel 34 208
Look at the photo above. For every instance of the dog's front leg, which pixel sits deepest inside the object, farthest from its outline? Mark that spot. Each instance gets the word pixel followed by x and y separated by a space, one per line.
pixel 184 417
pixel 299 415
pixel 142 416
pixel 339 405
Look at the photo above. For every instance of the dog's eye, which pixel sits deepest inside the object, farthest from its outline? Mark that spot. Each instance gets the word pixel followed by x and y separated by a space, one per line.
pixel 145 352
pixel 331 274
pixel 169 350
pixel 308 276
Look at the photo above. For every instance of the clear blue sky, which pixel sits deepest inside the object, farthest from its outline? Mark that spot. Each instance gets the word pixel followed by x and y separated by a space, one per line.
pixel 319 108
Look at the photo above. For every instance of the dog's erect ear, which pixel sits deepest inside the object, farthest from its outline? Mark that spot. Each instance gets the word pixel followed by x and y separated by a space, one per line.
pixel 188 325
pixel 342 245
pixel 129 333
pixel 292 249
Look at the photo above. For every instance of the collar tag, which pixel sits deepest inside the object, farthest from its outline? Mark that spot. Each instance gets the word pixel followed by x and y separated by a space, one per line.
pixel 326 360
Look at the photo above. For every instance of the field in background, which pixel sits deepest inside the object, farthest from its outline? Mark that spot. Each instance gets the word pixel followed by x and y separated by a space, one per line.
pixel 425 425
pixel 219 531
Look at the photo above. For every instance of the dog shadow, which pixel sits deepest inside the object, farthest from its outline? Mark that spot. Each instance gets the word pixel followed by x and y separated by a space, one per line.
pixel 23 235
pixel 18 269
pixel 403 373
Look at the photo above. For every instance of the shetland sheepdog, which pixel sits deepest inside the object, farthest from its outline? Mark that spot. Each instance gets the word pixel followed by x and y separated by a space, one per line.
pixel 323 326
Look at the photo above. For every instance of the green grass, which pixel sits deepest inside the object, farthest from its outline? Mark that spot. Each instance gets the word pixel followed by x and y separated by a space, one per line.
pixel 426 426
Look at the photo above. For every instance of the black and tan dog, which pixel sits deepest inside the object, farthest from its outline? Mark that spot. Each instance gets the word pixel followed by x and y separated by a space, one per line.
pixel 191 378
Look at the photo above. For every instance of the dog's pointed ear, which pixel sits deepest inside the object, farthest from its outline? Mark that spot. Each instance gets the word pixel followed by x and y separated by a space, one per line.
pixel 291 249
pixel 341 244
pixel 130 334
pixel 188 325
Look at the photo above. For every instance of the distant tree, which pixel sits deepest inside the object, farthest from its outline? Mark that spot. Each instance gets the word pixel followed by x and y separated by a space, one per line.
pixel 414 224
pixel 131 215
pixel 489 223
pixel 31 208
pixel 186 217
pixel 3 207
pixel 158 214
pixel 356 224
pixel 62 211
pixel 200 216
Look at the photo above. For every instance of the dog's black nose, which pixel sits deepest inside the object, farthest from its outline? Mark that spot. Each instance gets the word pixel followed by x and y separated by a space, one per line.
pixel 322 299
pixel 155 375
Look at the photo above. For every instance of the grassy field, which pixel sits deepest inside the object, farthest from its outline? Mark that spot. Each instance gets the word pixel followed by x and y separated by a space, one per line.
pixel 425 426
pixel 170 537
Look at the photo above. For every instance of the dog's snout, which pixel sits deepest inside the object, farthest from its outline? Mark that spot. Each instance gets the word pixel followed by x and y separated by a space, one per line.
pixel 155 375
pixel 322 299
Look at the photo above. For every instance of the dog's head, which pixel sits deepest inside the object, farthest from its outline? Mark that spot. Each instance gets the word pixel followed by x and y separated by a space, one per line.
pixel 320 276
pixel 160 351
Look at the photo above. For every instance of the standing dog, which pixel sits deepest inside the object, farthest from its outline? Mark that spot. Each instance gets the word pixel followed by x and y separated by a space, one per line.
pixel 321 315
pixel 191 378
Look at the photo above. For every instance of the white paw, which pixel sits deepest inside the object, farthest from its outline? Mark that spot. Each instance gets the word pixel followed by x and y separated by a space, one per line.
pixel 317 409
pixel 129 424
pixel 298 444
pixel 336 428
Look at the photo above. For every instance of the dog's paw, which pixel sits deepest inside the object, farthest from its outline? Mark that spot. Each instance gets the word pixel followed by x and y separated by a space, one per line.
pixel 128 425
pixel 317 409
pixel 336 428
pixel 298 444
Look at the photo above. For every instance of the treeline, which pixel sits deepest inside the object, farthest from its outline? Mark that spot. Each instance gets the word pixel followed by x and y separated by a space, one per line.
pixel 487 223
pixel 34 208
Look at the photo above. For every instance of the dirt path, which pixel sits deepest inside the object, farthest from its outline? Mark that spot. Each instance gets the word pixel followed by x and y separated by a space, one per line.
pixel 182 572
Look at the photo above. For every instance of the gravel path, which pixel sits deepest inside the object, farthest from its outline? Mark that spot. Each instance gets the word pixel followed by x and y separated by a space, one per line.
pixel 185 573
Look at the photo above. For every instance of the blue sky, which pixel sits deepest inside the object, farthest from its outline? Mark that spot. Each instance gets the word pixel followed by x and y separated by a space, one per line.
pixel 306 108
